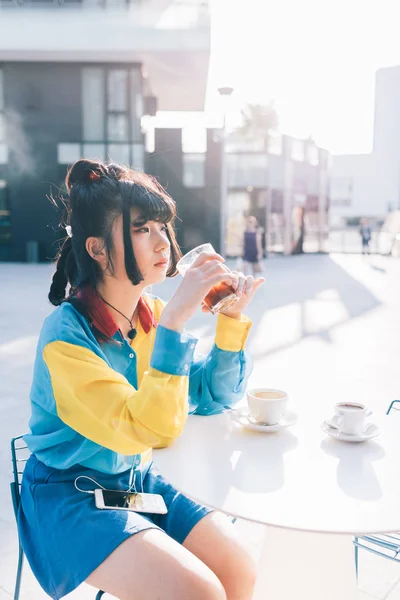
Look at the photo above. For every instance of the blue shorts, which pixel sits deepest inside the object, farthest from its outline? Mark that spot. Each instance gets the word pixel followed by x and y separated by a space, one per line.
pixel 65 537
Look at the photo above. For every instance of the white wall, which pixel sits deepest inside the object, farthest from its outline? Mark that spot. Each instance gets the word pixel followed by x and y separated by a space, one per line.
pixel 387 112
pixel 372 185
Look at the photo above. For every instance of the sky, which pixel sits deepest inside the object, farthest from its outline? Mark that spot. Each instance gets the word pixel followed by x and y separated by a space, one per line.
pixel 316 59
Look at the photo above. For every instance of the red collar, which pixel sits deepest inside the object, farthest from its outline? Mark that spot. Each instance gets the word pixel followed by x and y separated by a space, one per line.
pixel 102 318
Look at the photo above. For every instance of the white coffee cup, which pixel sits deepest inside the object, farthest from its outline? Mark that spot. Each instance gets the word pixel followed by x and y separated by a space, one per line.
pixel 350 417
pixel 267 405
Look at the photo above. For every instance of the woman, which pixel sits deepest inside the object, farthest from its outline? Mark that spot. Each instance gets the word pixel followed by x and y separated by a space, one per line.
pixel 114 377
pixel 252 247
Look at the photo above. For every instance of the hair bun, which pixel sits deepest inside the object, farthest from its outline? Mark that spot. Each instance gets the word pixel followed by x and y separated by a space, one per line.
pixel 84 171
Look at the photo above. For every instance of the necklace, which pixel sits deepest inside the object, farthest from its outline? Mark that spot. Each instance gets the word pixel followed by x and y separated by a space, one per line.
pixel 132 332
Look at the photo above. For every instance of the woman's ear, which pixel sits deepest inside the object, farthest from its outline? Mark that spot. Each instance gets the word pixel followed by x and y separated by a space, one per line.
pixel 95 247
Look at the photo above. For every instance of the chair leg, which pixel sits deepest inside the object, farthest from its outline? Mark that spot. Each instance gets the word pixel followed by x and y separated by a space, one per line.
pixel 99 595
pixel 356 556
pixel 19 573
pixel 391 405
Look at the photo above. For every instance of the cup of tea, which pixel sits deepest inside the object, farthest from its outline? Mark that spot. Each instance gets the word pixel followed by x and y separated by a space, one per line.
pixel 350 417
pixel 222 295
pixel 267 405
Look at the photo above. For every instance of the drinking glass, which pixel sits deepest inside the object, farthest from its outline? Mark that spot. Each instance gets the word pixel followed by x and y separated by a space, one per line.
pixel 222 295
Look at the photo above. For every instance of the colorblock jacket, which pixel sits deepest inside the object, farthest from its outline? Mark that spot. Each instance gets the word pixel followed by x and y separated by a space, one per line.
pixel 105 404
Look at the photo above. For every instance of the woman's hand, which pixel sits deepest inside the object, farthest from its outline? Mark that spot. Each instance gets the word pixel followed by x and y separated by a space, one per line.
pixel 207 271
pixel 245 288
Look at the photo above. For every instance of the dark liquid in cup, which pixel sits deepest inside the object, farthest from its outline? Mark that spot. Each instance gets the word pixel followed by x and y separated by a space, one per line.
pixel 351 406
pixel 215 297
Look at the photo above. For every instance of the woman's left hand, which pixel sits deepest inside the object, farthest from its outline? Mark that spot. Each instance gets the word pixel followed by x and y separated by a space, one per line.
pixel 245 288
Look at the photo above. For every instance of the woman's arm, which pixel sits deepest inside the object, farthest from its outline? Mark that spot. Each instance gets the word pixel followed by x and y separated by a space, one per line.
pixel 219 380
pixel 100 403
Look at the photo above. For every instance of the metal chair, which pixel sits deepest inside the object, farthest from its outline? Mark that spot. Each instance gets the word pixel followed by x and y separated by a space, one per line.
pixel 19 457
pixel 386 545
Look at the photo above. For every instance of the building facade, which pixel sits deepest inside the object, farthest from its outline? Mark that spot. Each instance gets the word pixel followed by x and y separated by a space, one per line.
pixel 76 78
pixel 368 185
pixel 286 188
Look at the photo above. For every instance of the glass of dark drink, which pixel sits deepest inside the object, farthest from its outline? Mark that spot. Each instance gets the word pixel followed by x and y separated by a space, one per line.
pixel 221 295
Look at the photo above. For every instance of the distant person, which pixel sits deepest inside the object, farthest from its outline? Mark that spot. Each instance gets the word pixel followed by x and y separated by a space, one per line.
pixel 252 247
pixel 365 233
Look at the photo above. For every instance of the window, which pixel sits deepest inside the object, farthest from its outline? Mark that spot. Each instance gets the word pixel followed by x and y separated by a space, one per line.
pixel 194 170
pixel 93 104
pixel 112 108
pixel 138 157
pixel 3 196
pixel 5 221
pixel 297 153
pixel 194 147
pixel 1 91
pixel 2 128
pixel 137 105
pixel 247 170
pixel 117 90
pixel 119 153
pixel 3 154
pixel 94 151
pixel 312 155
pixel 341 192
pixel 117 128
pixel 194 139
pixel 275 143
pixel 3 147
pixel 68 153
pixel 341 202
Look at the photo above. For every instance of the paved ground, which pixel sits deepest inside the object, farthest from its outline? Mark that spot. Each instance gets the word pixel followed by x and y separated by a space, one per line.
pixel 325 327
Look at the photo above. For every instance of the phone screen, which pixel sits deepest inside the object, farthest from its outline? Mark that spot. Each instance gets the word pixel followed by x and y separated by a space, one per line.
pixel 123 499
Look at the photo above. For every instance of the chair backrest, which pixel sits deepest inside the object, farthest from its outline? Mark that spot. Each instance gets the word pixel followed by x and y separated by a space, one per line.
pixel 393 406
pixel 19 457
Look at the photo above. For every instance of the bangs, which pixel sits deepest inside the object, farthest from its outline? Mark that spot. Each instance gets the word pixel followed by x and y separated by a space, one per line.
pixel 152 205
pixel 155 208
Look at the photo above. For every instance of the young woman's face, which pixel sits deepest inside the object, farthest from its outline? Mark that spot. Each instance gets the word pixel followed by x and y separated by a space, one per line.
pixel 252 223
pixel 151 248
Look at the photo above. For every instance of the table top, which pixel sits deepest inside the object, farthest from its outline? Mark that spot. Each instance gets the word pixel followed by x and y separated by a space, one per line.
pixel 299 478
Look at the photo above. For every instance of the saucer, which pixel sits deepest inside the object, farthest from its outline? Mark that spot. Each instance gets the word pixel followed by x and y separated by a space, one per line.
pixel 242 417
pixel 369 432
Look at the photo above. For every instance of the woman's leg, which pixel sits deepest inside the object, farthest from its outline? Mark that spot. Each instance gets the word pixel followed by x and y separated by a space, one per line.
pixel 152 566
pixel 214 541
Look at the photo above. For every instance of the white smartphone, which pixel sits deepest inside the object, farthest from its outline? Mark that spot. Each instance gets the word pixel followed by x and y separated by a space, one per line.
pixel 137 502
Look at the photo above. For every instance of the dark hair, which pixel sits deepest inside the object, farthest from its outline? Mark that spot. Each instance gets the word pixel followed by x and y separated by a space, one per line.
pixel 97 194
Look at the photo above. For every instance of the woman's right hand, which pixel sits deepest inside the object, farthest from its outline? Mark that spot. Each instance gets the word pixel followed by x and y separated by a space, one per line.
pixel 207 271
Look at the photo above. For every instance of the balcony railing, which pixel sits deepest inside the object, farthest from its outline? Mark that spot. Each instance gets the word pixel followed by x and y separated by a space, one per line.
pixel 199 7
pixel 178 14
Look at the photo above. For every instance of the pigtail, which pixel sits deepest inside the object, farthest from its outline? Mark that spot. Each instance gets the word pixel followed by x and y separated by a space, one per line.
pixel 60 277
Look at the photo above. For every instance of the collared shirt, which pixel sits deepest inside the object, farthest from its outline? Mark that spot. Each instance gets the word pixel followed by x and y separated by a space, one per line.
pixel 105 404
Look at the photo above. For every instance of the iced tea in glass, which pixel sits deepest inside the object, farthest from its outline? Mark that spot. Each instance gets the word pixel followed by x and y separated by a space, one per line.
pixel 221 295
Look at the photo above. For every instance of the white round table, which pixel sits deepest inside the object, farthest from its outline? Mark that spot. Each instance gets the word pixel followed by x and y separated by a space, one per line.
pixel 307 486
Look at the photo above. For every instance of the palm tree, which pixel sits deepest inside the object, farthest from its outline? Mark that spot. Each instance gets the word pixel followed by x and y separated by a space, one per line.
pixel 259 120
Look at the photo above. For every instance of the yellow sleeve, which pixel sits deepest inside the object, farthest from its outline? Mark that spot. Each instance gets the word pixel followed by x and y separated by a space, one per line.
pixel 100 404
pixel 231 334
